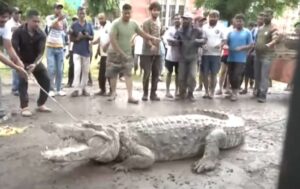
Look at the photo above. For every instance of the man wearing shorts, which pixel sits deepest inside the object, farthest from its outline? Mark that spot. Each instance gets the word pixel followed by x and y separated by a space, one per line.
pixel 211 59
pixel 172 57
pixel 119 57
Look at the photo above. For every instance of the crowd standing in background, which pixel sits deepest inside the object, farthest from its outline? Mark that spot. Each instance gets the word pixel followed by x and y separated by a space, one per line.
pixel 190 45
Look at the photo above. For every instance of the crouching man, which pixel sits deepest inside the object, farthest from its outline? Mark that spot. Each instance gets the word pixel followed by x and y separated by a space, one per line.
pixel 189 40
pixel 29 43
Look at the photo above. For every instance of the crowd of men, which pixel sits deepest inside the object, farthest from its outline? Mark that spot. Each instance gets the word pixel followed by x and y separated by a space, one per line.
pixel 189 46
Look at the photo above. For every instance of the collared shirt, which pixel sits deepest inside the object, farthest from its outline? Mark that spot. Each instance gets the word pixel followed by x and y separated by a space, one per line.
pixel 104 36
pixel 55 37
pixel 82 47
pixel 26 46
pixel 173 51
pixel 214 35
pixel 188 48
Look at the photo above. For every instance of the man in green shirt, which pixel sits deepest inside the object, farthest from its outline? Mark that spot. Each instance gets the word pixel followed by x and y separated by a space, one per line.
pixel 119 57
pixel 267 37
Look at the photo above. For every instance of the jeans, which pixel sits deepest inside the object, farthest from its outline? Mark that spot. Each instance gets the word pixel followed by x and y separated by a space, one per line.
pixel 187 71
pixel 15 80
pixel 71 69
pixel 262 68
pixel 55 62
pixel 41 75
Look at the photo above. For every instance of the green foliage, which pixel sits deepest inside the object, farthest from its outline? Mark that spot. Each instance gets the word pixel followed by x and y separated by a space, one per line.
pixel 228 8
pixel 44 7
pixel 110 7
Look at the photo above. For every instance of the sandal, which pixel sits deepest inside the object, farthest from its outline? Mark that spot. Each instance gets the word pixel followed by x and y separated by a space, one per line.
pixel 133 101
pixel 44 109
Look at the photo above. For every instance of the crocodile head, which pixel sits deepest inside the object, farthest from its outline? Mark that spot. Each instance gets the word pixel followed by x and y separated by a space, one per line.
pixel 83 141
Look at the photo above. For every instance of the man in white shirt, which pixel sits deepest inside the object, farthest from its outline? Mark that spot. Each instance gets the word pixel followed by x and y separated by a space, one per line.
pixel 15 61
pixel 103 42
pixel 12 25
pixel 211 62
pixel 172 57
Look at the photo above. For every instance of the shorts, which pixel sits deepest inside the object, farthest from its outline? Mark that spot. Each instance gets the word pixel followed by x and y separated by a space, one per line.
pixel 170 65
pixel 224 59
pixel 249 70
pixel 117 65
pixel 210 64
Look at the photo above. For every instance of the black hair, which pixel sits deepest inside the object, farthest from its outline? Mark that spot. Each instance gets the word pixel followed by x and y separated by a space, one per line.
pixel 4 8
pixel 126 7
pixel 155 5
pixel 240 16
pixel 80 9
pixel 252 24
pixel 269 11
pixel 32 13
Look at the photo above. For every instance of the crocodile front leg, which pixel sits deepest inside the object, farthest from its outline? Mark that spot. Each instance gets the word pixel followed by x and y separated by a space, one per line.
pixel 214 141
pixel 140 157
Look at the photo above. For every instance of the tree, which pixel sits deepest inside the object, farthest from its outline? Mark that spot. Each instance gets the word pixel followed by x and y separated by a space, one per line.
pixel 44 7
pixel 228 8
pixel 110 7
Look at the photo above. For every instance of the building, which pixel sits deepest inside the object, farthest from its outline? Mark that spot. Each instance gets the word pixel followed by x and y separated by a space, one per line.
pixel 169 9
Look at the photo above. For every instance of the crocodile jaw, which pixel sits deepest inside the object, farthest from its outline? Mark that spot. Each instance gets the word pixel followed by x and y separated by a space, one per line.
pixel 65 154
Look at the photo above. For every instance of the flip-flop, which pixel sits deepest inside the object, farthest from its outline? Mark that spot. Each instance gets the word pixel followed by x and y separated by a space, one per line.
pixel 26 112
pixel 43 109
pixel 133 101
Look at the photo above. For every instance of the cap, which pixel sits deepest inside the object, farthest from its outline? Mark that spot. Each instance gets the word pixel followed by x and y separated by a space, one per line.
pixel 74 18
pixel 187 15
pixel 58 5
pixel 200 18
pixel 16 10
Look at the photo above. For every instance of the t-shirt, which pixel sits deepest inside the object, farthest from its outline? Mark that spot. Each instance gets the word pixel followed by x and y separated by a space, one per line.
pixel 55 37
pixel 104 36
pixel 82 47
pixel 153 28
pixel 214 35
pixel 5 33
pixel 123 32
pixel 173 51
pixel 236 39
pixel 138 45
pixel 265 35
pixel 12 25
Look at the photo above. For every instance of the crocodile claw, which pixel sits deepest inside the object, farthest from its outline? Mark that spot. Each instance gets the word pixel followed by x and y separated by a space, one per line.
pixel 120 168
pixel 204 165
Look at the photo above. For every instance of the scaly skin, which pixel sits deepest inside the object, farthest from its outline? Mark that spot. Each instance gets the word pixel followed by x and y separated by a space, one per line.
pixel 139 144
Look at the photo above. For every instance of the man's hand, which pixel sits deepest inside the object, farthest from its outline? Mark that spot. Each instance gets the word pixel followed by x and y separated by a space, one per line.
pixel 156 40
pixel 105 47
pixel 61 17
pixel 31 68
pixel 21 71
pixel 218 46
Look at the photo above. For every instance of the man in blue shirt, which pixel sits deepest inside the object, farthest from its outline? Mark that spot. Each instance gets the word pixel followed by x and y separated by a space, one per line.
pixel 81 34
pixel 239 42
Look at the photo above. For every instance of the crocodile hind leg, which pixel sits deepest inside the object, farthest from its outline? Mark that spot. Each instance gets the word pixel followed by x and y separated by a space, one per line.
pixel 140 157
pixel 214 141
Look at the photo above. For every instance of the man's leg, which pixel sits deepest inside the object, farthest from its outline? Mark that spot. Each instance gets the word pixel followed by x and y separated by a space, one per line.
pixel 182 79
pixel 156 70
pixel 191 79
pixel 2 111
pixel 51 68
pixel 146 65
pixel 264 84
pixel 77 74
pixel 214 70
pixel 169 67
pixel 15 82
pixel 136 63
pixel 60 71
pixel 42 77
pixel 176 79
pixel 111 73
pixel 85 70
pixel 71 70
pixel 205 74
pixel 24 99
pixel 101 76
pixel 235 77
pixel 257 74
pixel 222 78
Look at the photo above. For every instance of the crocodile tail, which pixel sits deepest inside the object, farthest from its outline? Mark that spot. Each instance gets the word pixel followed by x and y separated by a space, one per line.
pixel 211 113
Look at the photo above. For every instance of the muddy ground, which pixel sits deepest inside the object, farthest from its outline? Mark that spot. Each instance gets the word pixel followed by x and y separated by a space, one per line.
pixel 255 165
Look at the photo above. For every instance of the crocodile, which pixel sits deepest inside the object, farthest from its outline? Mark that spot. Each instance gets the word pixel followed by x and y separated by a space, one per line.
pixel 137 145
